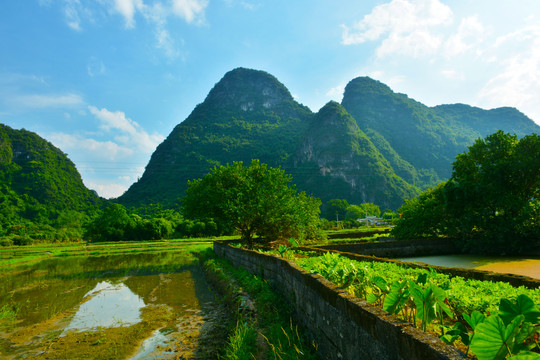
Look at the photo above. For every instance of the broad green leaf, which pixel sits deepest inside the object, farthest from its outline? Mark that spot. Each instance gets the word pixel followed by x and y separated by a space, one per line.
pixel 396 298
pixel 422 279
pixel 525 355
pixel 474 319
pixel 380 283
pixel 523 306
pixel 371 298
pixel 492 339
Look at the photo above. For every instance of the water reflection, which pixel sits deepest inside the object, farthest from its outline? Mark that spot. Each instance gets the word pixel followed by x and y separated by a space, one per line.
pixel 110 305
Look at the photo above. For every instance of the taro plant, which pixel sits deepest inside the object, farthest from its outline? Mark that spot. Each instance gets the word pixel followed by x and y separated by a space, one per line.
pixel 512 333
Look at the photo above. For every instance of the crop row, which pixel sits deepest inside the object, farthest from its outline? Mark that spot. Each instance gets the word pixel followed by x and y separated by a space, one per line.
pixel 495 319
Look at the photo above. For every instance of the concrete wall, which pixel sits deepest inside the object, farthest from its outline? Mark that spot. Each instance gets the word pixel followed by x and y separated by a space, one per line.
pixel 342 326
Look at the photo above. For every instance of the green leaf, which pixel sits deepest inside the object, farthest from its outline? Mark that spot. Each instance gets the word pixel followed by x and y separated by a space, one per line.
pixel 523 306
pixel 380 283
pixel 396 298
pixel 492 339
pixel 474 319
pixel 526 355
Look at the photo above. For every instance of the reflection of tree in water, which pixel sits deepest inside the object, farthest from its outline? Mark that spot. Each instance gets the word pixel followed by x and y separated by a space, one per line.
pixel 200 323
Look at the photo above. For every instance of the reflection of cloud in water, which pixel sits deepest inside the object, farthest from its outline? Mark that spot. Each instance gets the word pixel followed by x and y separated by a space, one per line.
pixel 110 305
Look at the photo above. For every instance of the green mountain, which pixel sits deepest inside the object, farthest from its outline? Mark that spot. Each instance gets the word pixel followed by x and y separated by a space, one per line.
pixel 421 142
pixel 337 160
pixel 377 146
pixel 248 114
pixel 37 180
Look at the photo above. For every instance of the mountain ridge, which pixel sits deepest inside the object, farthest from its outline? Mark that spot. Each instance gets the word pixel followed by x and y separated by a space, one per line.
pixel 250 114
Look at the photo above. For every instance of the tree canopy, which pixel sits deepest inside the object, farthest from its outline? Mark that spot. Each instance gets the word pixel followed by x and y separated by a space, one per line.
pixel 254 200
pixel 490 204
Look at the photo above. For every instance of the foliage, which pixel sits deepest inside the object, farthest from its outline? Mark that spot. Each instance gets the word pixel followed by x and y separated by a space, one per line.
pixel 491 202
pixel 273 322
pixel 255 201
pixel 336 209
pixel 431 300
pixel 355 212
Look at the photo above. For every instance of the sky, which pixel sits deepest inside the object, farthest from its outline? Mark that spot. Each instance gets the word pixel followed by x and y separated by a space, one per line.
pixel 107 80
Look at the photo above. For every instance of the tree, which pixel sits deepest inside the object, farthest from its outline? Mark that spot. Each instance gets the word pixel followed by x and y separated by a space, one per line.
pixel 255 201
pixel 336 208
pixel 490 203
pixel 355 212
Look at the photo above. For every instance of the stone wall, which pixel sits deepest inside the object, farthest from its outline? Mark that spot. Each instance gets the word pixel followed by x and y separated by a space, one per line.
pixel 342 326
pixel 393 249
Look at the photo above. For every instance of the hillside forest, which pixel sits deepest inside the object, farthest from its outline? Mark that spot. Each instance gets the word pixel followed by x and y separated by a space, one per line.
pixel 450 170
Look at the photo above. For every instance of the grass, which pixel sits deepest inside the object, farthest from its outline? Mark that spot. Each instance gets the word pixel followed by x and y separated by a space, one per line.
pixel 273 321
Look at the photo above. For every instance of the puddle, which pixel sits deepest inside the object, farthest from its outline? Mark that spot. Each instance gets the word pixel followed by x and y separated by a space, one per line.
pixel 110 305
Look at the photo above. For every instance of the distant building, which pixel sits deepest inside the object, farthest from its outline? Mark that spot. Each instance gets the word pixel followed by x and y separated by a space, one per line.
pixel 372 220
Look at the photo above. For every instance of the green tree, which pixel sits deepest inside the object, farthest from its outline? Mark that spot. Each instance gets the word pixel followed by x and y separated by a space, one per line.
pixel 113 224
pixel 491 202
pixel 361 211
pixel 255 201
pixel 336 208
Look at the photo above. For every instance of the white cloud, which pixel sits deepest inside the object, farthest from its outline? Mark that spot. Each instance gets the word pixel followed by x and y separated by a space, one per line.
pixel 128 132
pixel 517 82
pixel 336 93
pixel 407 27
pixel 71 13
pixel 452 74
pixel 190 10
pixel 95 67
pixel 107 189
pixel 470 33
pixel 47 101
pixel 127 9
pixel 97 150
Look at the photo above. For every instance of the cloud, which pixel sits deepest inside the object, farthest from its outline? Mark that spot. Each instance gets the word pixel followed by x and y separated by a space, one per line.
pixel 47 101
pixel 127 9
pixel 107 189
pixel 95 67
pixel 71 13
pixel 407 27
pixel 517 82
pixel 190 10
pixel 470 33
pixel 128 132
pixel 97 150
pixel 336 93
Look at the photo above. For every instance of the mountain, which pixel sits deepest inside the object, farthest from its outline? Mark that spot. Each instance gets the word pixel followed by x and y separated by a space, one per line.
pixel 37 179
pixel 248 114
pixel 376 146
pixel 337 160
pixel 421 142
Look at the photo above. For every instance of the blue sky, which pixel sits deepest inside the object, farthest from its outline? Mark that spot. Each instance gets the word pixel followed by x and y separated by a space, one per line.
pixel 107 80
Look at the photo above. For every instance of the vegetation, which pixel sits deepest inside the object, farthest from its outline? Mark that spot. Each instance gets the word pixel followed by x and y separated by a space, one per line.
pixel 491 202
pixel 495 319
pixel 254 200
pixel 272 320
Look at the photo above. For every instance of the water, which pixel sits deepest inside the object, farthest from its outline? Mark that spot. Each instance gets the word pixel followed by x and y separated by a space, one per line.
pixel 140 306
pixel 510 265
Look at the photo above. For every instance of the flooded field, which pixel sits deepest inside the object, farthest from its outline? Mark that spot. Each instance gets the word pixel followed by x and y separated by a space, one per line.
pixel 511 265
pixel 124 305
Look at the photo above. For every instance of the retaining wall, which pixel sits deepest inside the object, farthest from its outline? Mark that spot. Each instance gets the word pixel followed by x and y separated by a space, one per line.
pixel 342 326
pixel 393 249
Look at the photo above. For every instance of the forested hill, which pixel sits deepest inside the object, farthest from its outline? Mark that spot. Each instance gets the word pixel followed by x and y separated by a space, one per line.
pixel 421 142
pixel 376 146
pixel 37 179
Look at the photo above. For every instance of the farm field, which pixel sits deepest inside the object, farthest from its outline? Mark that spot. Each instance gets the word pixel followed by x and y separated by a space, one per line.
pixel 117 300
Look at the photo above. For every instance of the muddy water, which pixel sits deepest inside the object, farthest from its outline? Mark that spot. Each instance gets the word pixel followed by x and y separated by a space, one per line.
pixel 139 306
pixel 510 265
